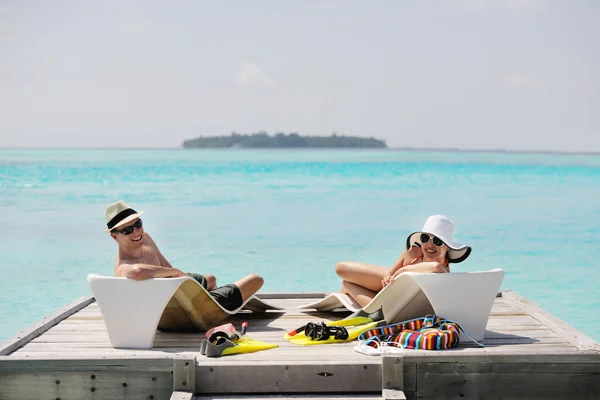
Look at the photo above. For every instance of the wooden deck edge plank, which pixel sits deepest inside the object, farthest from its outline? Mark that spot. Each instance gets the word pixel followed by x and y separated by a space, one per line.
pixel 14 342
pixel 580 356
pixel 561 328
pixel 392 394
pixel 316 377
pixel 288 396
pixel 152 363
pixel 290 295
pixel 184 373
pixel 177 395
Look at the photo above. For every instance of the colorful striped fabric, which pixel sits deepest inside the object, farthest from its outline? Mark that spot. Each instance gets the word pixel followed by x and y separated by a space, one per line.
pixel 427 333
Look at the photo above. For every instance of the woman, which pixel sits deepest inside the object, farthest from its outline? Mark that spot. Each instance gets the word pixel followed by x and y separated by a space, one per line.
pixel 429 250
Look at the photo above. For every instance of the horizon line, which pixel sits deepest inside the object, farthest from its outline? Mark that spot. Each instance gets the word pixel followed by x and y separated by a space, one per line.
pixel 400 148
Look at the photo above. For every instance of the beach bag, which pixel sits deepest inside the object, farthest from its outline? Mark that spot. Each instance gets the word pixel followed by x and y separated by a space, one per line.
pixel 426 333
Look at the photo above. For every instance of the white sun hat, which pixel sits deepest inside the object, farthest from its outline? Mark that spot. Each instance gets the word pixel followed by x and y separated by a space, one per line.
pixel 118 214
pixel 443 228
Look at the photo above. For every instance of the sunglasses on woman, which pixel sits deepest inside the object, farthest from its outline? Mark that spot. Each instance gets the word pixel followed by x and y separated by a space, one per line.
pixel 436 240
pixel 129 230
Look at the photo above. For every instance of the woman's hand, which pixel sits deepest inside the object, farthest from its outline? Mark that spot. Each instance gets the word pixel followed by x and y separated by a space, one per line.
pixel 415 251
pixel 387 280
pixel 410 256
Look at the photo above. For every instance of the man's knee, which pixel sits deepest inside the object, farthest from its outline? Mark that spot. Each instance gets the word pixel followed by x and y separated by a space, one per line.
pixel 211 281
pixel 249 285
pixel 256 280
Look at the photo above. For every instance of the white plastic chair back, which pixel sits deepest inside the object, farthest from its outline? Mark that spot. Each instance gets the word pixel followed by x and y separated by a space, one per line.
pixel 132 309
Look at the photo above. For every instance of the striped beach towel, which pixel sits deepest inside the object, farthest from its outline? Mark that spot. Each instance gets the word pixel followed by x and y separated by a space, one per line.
pixel 426 333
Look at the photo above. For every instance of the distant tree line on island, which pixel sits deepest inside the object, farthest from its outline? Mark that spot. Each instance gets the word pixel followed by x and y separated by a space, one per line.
pixel 279 140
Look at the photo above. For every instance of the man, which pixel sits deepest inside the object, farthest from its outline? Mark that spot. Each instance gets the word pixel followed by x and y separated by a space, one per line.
pixel 139 258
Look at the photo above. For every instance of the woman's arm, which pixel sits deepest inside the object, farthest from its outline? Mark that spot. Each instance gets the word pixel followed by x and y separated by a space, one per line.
pixel 407 257
pixel 429 266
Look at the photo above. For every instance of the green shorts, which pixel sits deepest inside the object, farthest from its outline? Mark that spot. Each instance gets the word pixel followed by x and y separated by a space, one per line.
pixel 228 296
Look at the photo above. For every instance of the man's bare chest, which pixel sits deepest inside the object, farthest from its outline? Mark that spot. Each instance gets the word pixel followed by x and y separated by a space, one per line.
pixel 147 256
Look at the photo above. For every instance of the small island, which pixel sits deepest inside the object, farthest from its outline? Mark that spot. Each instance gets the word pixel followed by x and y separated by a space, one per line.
pixel 263 140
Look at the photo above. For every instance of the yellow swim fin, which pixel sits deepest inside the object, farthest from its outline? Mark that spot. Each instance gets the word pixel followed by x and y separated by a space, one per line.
pixel 224 346
pixel 345 330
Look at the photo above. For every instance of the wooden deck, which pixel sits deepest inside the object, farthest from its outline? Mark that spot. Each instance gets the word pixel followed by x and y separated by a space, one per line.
pixel 529 354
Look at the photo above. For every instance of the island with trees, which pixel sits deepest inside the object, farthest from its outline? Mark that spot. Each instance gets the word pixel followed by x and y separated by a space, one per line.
pixel 263 140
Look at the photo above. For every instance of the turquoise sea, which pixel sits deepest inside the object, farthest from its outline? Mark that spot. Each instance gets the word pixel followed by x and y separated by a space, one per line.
pixel 290 215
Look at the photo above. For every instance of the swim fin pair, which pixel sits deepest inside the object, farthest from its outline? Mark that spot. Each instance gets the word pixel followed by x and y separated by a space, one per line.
pixel 345 330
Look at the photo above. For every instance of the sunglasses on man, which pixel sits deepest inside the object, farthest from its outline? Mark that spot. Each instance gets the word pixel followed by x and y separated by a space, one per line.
pixel 436 240
pixel 129 230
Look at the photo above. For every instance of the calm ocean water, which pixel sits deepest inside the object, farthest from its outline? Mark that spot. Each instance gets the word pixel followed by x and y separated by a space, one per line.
pixel 291 215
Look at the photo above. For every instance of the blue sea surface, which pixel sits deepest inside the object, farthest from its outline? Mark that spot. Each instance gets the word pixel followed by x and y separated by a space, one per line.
pixel 291 215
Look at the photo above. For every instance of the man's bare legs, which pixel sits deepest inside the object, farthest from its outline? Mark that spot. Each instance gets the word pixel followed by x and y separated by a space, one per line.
pixel 249 285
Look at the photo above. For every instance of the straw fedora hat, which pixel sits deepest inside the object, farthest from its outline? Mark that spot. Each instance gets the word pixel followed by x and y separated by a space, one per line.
pixel 118 214
pixel 442 227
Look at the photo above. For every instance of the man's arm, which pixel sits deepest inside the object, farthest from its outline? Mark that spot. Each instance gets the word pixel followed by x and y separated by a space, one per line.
pixel 163 261
pixel 140 271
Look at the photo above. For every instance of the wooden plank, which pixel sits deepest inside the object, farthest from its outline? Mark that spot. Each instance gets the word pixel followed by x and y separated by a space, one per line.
pixel 392 372
pixel 567 332
pixel 163 338
pixel 291 295
pixel 105 363
pixel 184 373
pixel 449 356
pixel 392 394
pixel 298 358
pixel 92 384
pixel 18 340
pixel 345 396
pixel 508 385
pixel 177 395
pixel 525 366
pixel 278 377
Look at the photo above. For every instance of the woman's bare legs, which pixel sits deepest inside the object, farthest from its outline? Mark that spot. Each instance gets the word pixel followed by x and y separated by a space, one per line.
pixel 360 294
pixel 366 276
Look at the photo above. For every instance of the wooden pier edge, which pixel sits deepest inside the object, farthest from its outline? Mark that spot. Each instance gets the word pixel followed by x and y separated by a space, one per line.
pixel 535 372
pixel 487 376
pixel 28 334
pixel 561 328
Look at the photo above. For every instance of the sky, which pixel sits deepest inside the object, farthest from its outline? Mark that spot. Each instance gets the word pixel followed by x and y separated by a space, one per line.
pixel 469 74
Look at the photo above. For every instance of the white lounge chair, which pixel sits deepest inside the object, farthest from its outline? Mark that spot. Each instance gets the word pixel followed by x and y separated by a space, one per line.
pixel 463 297
pixel 133 310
